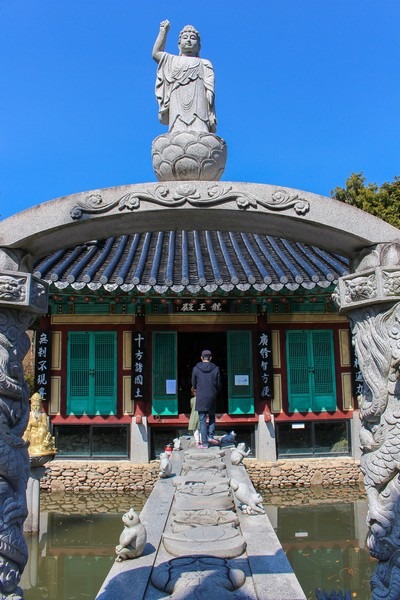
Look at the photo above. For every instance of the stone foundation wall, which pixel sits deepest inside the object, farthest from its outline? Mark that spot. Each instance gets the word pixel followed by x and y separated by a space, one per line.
pixel 125 477
pixel 92 476
pixel 325 472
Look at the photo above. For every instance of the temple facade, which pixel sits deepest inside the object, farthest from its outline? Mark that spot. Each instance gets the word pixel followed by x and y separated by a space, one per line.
pixel 129 316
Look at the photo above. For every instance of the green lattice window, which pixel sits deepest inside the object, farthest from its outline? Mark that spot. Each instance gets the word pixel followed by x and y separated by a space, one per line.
pixel 165 398
pixel 311 371
pixel 240 373
pixel 92 380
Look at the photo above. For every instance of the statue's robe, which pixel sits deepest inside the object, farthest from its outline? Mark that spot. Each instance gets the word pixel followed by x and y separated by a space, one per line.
pixel 181 89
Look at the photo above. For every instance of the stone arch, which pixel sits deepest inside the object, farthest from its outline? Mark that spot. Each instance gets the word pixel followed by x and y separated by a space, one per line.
pixel 293 214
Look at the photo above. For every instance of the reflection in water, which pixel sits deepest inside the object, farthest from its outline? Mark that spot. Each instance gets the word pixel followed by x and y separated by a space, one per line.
pixel 322 533
pixel 75 549
pixel 325 541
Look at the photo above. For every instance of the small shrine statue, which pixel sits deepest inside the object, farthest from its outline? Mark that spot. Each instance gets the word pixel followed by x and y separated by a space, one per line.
pixel 133 537
pixel 41 442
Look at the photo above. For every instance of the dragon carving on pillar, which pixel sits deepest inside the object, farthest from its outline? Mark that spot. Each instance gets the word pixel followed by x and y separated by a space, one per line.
pixel 376 337
pixel 14 459
pixel 370 296
pixel 22 298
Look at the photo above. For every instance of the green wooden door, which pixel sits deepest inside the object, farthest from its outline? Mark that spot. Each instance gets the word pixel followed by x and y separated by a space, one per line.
pixel 165 394
pixel 324 393
pixel 240 373
pixel 310 371
pixel 92 373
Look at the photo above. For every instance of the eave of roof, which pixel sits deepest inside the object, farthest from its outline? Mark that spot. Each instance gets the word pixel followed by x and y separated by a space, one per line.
pixel 193 262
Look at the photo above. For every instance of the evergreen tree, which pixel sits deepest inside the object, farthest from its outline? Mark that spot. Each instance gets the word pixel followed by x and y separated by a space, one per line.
pixel 383 201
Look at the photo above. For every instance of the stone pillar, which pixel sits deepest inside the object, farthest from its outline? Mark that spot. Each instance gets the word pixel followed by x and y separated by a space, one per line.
pixel 265 439
pixel 32 522
pixel 22 297
pixel 140 447
pixel 370 297
pixel 355 435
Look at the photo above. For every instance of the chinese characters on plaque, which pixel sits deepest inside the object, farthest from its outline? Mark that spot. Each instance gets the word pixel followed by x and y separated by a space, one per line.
pixel 42 364
pixel 264 355
pixel 357 377
pixel 199 306
pixel 138 362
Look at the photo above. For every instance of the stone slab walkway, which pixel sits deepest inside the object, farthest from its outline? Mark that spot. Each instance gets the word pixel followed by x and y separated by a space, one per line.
pixel 201 544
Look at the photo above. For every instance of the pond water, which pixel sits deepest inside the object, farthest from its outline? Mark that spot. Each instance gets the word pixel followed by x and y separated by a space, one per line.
pixel 75 549
pixel 322 533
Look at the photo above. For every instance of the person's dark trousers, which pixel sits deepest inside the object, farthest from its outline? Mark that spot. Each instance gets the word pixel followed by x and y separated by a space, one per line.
pixel 206 432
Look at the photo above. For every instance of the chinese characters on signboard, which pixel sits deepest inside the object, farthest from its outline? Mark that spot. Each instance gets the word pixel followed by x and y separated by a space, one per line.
pixel 198 307
pixel 42 364
pixel 138 362
pixel 264 354
pixel 357 377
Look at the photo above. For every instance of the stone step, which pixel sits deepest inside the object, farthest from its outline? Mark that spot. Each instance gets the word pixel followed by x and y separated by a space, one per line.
pixel 205 530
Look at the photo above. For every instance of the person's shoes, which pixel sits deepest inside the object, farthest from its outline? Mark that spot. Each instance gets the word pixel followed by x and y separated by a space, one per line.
pixel 212 442
pixel 202 446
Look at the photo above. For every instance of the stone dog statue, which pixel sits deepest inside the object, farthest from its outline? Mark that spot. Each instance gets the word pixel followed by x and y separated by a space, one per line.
pixel 250 501
pixel 133 537
pixel 239 453
pixel 165 465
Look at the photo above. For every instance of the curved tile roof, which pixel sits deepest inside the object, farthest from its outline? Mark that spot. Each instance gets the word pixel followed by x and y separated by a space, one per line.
pixel 191 261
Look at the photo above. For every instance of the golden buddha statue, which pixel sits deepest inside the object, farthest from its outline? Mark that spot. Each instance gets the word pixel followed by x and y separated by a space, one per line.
pixel 37 433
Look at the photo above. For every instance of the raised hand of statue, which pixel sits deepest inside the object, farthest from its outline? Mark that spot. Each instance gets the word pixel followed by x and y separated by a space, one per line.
pixel 159 44
pixel 165 25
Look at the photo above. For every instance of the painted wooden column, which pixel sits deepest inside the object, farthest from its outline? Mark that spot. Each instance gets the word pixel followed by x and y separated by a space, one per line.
pixel 22 297
pixel 370 297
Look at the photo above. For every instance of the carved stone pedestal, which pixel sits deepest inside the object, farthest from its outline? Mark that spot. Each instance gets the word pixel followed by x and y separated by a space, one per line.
pixel 189 156
pixel 371 299
pixel 22 296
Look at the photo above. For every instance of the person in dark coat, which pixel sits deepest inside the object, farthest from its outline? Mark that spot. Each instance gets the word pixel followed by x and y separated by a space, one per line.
pixel 206 381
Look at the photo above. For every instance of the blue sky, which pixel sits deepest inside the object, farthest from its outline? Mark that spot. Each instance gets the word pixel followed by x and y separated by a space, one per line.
pixel 307 91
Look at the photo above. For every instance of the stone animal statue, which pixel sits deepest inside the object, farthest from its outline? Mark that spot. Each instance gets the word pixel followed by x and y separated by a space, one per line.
pixel 165 465
pixel 228 439
pixel 239 453
pixel 250 501
pixel 177 444
pixel 133 537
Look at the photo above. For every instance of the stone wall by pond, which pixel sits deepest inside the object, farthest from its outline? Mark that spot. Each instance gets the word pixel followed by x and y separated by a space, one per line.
pixel 92 476
pixel 325 472
pixel 123 476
